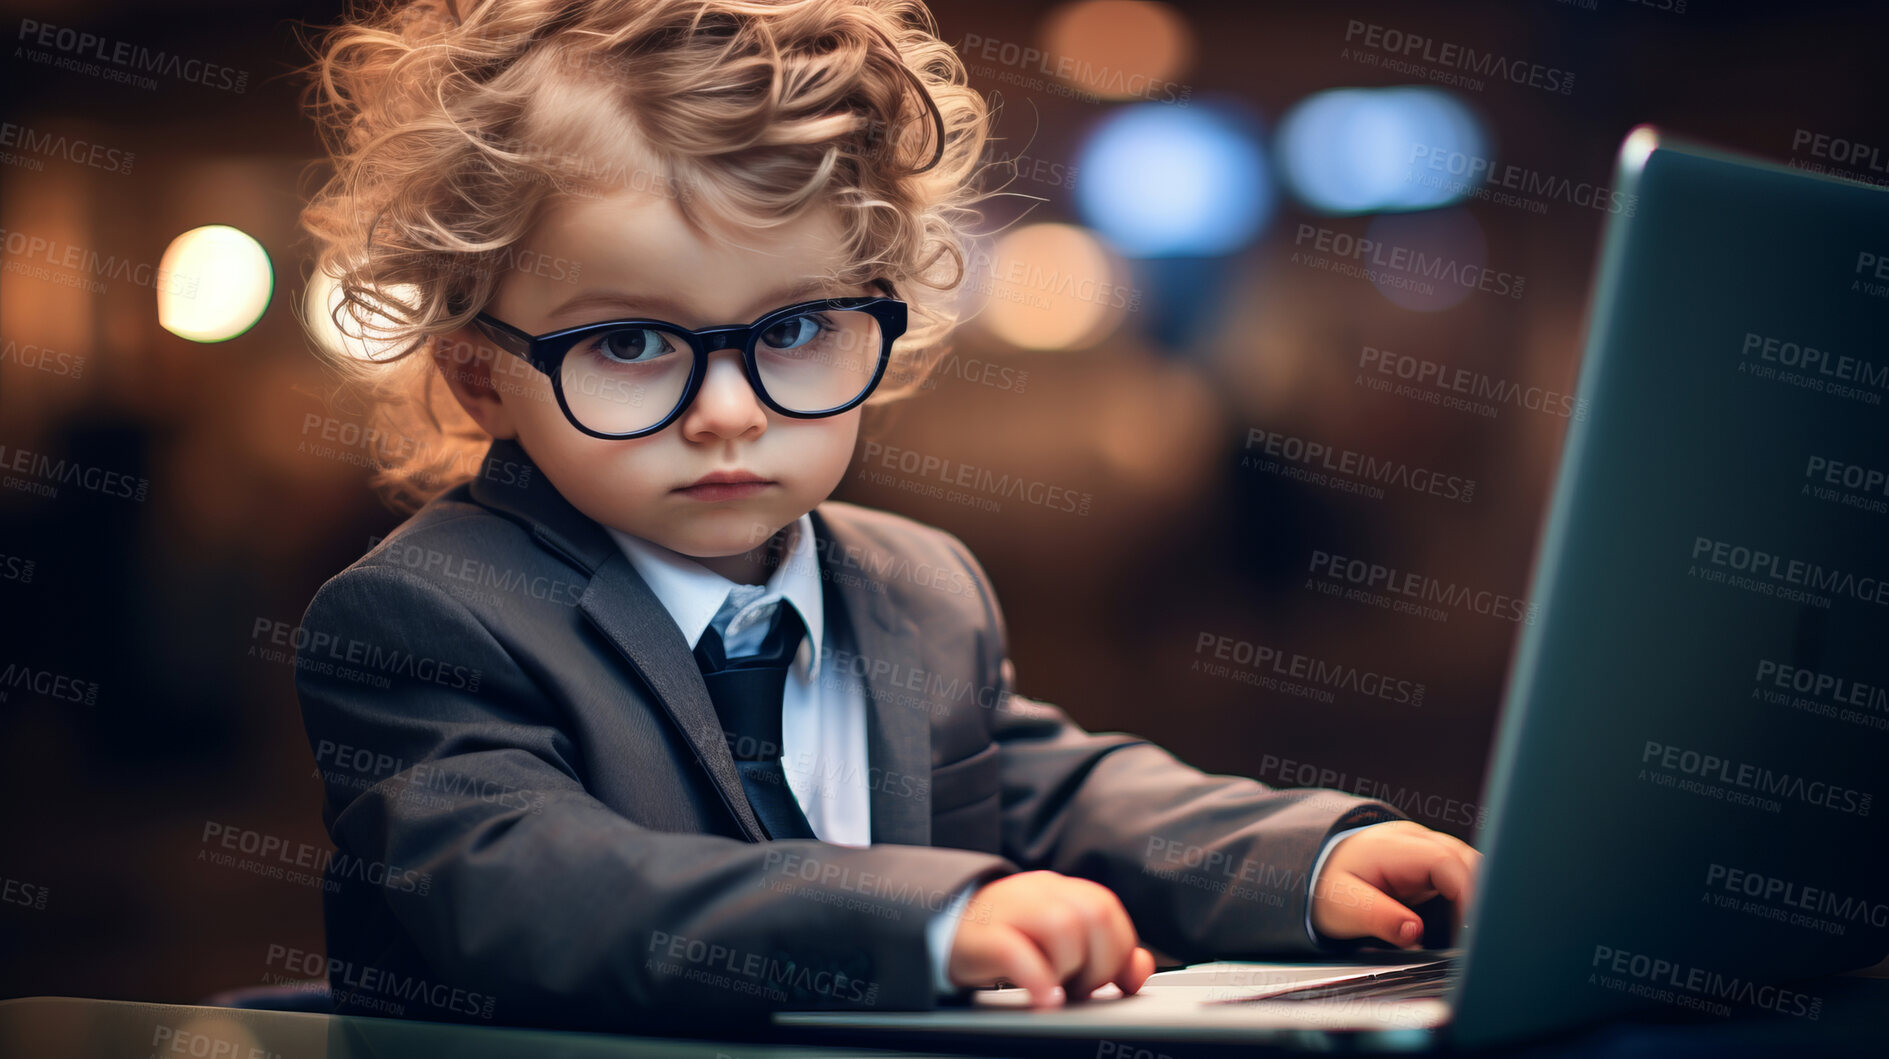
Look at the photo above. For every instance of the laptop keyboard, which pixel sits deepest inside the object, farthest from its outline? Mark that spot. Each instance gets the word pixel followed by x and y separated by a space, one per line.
pixel 1428 982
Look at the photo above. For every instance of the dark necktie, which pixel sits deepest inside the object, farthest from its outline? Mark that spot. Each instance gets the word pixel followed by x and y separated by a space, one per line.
pixel 747 693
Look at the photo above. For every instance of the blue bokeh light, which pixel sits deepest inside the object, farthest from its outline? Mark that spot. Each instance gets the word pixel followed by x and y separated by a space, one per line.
pixel 1358 150
pixel 1165 181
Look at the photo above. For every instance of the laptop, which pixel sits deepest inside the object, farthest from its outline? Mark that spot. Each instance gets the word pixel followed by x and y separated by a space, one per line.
pixel 1687 785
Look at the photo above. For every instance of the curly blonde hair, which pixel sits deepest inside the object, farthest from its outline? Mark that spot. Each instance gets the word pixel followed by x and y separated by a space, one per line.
pixel 452 124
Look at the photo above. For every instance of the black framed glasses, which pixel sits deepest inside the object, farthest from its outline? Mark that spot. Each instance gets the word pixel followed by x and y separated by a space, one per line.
pixel 629 378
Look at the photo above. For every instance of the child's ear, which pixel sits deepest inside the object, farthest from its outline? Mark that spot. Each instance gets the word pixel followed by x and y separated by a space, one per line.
pixel 468 361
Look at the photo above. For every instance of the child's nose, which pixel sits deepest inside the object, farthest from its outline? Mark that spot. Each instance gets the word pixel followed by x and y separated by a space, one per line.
pixel 726 405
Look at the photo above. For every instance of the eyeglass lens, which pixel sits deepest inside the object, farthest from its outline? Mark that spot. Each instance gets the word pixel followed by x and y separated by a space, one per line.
pixel 631 378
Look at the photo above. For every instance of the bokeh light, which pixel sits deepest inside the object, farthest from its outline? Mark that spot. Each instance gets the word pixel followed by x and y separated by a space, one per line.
pixel 1165 181
pixel 213 284
pixel 1357 150
pixel 1049 286
pixel 1119 49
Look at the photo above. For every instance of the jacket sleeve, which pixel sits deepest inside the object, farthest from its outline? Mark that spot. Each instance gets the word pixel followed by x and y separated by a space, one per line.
pixel 1208 866
pixel 541 897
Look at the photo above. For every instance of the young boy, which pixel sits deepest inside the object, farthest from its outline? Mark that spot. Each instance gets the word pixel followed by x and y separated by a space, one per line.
pixel 635 722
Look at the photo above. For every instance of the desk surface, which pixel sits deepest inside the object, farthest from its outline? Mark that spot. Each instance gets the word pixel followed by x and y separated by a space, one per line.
pixel 1853 1022
pixel 58 1027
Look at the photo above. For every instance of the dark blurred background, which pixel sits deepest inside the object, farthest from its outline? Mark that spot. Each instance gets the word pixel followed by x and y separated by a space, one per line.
pixel 1134 348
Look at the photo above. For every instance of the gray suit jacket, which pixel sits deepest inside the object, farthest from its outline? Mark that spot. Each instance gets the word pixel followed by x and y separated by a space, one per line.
pixel 537 819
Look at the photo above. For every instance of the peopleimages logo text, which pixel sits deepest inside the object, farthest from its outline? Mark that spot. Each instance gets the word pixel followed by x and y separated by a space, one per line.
pixel 1417 47
pixel 131 56
pixel 1744 775
pixel 1794 572
pixel 1409 262
pixel 1701 984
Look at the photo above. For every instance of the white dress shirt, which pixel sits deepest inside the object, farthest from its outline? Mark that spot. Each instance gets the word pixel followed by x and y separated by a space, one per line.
pixel 823 722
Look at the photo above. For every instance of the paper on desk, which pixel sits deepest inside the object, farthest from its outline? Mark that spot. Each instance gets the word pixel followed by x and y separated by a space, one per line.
pixel 1231 978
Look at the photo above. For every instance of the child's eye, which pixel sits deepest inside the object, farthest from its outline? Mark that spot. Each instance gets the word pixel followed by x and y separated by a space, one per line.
pixel 631 345
pixel 793 332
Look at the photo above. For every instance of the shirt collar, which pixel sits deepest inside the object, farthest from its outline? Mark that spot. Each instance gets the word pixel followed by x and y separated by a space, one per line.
pixel 692 593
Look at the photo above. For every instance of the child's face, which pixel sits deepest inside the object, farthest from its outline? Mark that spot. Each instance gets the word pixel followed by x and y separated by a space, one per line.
pixel 639 258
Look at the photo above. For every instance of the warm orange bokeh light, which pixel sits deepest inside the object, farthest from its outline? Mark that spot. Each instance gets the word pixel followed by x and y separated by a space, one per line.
pixel 1118 49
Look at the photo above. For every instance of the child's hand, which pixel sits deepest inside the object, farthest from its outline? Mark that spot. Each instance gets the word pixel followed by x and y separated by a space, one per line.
pixel 1042 929
pixel 1367 876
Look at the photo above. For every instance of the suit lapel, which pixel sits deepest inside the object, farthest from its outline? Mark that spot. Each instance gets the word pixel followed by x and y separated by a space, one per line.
pixel 898 737
pixel 620 604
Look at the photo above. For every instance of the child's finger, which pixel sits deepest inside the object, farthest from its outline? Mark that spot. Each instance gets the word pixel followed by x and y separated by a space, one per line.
pixel 1061 934
pixel 1422 866
pixel 1469 852
pixel 1354 908
pixel 1111 943
pixel 1135 972
pixel 1471 860
pixel 1451 876
pixel 1012 954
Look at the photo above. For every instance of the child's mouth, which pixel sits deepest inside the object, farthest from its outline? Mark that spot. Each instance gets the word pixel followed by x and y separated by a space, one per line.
pixel 710 489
